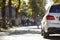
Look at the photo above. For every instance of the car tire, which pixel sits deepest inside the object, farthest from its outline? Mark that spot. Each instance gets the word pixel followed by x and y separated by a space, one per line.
pixel 45 35
pixel 41 32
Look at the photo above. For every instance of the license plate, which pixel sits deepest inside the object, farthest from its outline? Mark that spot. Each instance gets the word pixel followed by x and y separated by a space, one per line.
pixel 59 18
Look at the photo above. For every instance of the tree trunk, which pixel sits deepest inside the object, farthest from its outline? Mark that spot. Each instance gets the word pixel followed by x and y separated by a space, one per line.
pixel 17 14
pixel 17 9
pixel 3 15
pixel 10 13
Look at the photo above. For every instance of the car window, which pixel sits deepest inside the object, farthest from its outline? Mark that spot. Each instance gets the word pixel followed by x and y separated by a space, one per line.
pixel 55 9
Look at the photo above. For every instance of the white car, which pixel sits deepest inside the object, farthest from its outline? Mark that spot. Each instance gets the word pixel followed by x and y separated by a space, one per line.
pixel 50 23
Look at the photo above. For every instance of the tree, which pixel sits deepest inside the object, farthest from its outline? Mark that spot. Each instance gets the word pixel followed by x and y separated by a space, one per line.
pixel 56 1
pixel 1 4
pixel 10 13
pixel 3 14
pixel 37 7
pixel 10 4
pixel 17 8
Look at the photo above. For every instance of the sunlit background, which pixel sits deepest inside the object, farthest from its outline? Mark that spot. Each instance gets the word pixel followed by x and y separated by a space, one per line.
pixel 17 10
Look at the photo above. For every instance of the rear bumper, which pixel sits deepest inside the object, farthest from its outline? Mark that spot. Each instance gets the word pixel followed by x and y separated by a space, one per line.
pixel 54 30
pixel 53 23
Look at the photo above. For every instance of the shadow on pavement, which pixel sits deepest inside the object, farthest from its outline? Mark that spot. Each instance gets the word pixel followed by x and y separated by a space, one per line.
pixel 54 38
pixel 19 32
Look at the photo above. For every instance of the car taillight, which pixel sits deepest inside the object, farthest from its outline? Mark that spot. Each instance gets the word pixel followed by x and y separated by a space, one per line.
pixel 49 17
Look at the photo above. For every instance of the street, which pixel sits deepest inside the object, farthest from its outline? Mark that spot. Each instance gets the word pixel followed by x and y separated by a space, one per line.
pixel 24 33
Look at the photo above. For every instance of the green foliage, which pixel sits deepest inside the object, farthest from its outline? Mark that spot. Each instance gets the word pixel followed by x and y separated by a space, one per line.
pixel 56 1
pixel 15 3
pixel 0 4
pixel 37 7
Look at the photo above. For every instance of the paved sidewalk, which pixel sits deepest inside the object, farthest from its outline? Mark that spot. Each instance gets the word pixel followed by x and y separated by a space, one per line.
pixel 26 28
pixel 21 30
pixel 22 33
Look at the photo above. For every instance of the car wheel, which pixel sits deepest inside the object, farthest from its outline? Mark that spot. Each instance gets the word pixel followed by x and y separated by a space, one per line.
pixel 45 35
pixel 41 32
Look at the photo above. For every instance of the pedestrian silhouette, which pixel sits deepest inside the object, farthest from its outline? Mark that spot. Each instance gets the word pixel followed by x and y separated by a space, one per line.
pixel 38 21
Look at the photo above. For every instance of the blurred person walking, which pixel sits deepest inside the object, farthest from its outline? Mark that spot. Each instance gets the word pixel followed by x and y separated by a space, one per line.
pixel 27 21
pixel 38 21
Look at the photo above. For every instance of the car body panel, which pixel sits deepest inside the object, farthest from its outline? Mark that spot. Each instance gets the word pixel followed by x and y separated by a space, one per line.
pixel 50 23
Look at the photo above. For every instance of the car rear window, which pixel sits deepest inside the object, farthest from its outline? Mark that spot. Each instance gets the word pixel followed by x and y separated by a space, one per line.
pixel 55 9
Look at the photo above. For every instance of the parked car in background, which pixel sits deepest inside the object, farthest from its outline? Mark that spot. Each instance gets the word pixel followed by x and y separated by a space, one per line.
pixel 50 23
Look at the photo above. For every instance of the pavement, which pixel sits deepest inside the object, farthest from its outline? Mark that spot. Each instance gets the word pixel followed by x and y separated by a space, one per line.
pixel 23 33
